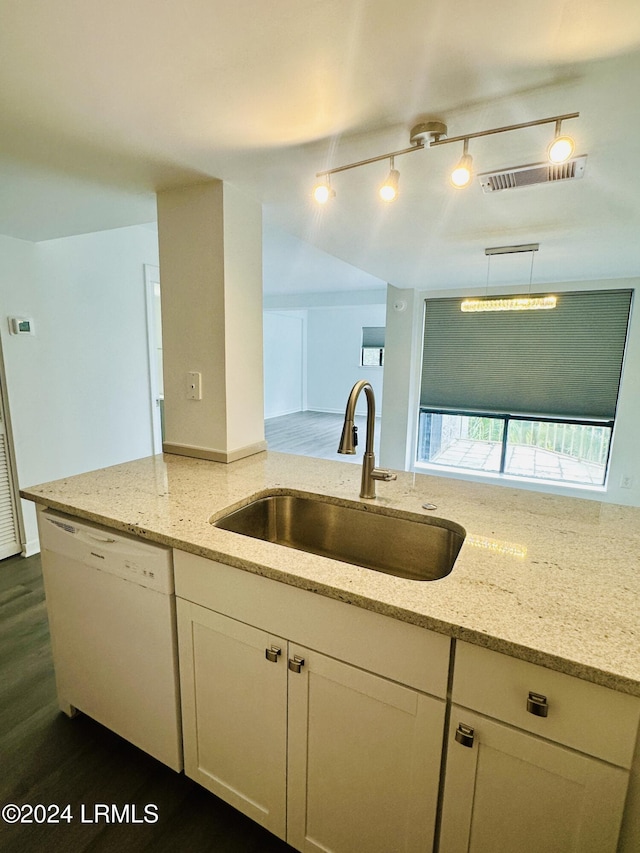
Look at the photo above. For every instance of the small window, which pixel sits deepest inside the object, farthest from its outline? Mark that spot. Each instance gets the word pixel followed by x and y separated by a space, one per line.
pixel 372 348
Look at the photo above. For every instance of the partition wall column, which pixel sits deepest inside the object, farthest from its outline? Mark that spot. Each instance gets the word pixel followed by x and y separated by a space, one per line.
pixel 210 239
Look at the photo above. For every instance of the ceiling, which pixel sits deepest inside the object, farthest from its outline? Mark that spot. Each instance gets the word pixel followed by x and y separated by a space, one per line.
pixel 103 103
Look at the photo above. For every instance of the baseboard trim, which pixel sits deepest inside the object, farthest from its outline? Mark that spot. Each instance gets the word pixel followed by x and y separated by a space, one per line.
pixel 214 455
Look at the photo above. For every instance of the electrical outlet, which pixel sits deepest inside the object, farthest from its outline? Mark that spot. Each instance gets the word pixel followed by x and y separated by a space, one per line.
pixel 194 385
pixel 626 481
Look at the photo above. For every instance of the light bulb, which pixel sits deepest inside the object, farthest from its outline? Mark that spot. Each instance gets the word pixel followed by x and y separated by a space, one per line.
pixel 560 149
pixel 389 190
pixel 461 175
pixel 323 192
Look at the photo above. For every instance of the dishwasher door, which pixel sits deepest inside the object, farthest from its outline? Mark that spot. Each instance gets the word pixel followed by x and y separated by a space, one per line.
pixel 113 631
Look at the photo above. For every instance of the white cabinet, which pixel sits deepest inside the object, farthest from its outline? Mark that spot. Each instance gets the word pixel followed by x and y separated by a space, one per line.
pixel 296 728
pixel 364 760
pixel 512 782
pixel 342 753
pixel 234 713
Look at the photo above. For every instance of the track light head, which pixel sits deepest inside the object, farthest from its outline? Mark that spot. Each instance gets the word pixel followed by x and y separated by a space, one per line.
pixel 323 191
pixel 461 175
pixel 389 190
pixel 561 148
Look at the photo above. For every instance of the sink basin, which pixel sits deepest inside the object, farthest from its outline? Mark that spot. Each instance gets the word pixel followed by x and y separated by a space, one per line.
pixel 406 545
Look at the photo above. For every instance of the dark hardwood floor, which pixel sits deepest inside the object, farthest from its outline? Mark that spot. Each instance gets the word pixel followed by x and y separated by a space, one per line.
pixel 47 758
pixel 316 434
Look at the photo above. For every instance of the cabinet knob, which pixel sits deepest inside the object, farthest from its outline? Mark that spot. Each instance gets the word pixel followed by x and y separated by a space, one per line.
pixel 537 704
pixel 296 663
pixel 465 735
pixel 273 654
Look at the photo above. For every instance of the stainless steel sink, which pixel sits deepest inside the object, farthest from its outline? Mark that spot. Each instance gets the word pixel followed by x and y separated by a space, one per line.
pixel 408 545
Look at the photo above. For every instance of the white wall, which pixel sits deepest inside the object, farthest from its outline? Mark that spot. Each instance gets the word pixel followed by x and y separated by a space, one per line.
pixel 403 330
pixel 398 424
pixel 334 337
pixel 78 390
pixel 285 362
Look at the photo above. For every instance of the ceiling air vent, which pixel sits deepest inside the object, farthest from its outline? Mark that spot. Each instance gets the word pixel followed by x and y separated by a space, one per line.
pixel 535 173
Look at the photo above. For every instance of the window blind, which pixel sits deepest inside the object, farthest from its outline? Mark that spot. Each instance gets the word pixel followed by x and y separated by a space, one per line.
pixel 563 362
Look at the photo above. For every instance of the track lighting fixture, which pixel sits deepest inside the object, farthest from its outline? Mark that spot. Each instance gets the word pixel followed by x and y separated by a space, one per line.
pixel 461 175
pixel 432 133
pixel 389 190
pixel 562 147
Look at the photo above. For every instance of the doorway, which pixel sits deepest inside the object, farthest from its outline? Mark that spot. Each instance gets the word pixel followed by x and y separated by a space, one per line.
pixel 154 342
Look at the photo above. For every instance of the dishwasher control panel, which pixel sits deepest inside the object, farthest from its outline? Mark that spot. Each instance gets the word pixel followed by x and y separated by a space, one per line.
pixel 144 563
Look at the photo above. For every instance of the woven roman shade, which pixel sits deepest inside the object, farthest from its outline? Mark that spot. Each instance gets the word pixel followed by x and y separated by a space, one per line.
pixel 564 362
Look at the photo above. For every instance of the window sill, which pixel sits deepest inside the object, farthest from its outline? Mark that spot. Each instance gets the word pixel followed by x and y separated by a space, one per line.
pixel 532 483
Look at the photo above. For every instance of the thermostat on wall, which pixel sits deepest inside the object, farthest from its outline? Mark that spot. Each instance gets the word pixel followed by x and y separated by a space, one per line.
pixel 21 326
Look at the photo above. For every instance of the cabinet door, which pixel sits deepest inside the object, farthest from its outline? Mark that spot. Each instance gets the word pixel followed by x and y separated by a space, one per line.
pixel 509 791
pixel 234 712
pixel 364 760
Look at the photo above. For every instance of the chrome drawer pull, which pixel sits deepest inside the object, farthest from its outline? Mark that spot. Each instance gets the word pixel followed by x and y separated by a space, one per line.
pixel 273 654
pixel 537 704
pixel 465 735
pixel 296 663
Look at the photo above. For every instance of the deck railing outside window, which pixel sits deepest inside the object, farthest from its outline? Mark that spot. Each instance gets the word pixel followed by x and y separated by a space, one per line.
pixel 563 450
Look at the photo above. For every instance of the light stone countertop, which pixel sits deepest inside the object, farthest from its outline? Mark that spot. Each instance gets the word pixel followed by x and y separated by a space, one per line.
pixel 551 580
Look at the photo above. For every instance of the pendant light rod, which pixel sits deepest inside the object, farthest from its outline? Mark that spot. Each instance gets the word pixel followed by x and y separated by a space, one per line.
pixel 433 132
pixel 504 129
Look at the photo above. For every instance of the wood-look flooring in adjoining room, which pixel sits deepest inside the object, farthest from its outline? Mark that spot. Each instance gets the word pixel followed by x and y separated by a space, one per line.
pixel 47 758
pixel 316 434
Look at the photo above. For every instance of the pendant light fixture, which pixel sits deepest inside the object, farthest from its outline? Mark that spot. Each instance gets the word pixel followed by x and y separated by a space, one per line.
pixel 509 303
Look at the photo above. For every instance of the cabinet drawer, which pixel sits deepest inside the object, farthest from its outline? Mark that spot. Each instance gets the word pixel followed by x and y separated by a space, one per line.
pixel 579 714
pixel 397 650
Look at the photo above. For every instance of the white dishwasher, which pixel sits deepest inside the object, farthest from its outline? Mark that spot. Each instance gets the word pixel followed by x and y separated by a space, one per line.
pixel 111 606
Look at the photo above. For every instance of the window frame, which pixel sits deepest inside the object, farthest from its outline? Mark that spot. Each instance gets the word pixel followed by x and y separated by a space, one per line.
pixel 506 418
pixel 377 333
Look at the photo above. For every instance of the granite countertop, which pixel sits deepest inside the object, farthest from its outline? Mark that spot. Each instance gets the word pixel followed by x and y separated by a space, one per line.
pixel 548 579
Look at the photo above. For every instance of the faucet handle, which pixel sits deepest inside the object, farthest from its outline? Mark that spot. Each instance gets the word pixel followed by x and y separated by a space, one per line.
pixel 355 435
pixel 383 474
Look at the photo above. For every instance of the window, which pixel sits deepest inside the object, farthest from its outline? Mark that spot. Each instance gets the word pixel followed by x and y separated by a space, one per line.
pixel 372 348
pixel 526 394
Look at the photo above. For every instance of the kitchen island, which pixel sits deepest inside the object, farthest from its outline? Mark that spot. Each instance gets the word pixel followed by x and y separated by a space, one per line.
pixel 542 602
pixel 551 580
